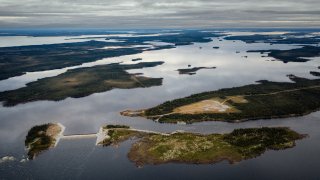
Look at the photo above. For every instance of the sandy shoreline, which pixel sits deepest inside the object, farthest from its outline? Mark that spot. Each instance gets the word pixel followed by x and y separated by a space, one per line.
pixel 60 135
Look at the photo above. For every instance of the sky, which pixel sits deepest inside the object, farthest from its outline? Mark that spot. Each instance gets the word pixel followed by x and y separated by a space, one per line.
pixel 115 14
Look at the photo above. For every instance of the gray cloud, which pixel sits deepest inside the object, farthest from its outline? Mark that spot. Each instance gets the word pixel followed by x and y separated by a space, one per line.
pixel 160 13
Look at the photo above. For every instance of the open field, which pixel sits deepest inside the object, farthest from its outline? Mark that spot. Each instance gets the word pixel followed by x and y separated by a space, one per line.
pixel 206 106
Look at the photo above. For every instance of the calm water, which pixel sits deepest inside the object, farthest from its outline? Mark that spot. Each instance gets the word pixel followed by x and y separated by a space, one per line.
pixel 81 159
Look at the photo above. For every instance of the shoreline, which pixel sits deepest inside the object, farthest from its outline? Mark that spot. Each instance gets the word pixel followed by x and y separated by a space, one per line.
pixel 60 135
pixel 101 135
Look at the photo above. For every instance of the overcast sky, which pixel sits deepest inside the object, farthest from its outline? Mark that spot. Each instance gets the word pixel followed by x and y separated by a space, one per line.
pixel 159 13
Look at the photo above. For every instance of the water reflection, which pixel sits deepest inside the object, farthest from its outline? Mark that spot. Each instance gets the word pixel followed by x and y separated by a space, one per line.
pixel 81 159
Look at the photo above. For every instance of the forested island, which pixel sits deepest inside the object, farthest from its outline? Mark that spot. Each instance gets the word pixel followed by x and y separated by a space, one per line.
pixel 182 147
pixel 82 82
pixel 302 54
pixel 136 59
pixel 308 41
pixel 315 73
pixel 192 71
pixel 303 38
pixel 41 138
pixel 264 100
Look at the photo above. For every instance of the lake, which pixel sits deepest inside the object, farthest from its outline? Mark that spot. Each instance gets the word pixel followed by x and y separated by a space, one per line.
pixel 81 159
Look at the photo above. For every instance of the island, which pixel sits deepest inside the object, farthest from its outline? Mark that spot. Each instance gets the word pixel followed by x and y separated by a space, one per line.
pixel 303 38
pixel 184 37
pixel 136 59
pixel 315 73
pixel 307 40
pixel 302 54
pixel 16 61
pixel 82 82
pixel 193 148
pixel 42 137
pixel 192 71
pixel 264 100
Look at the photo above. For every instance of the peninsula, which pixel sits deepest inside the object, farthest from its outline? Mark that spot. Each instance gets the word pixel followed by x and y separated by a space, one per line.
pixel 264 100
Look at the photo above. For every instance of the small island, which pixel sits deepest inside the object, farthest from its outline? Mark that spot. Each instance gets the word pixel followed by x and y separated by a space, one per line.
pixel 265 100
pixel 315 73
pixel 192 71
pixel 136 59
pixel 193 148
pixel 42 137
